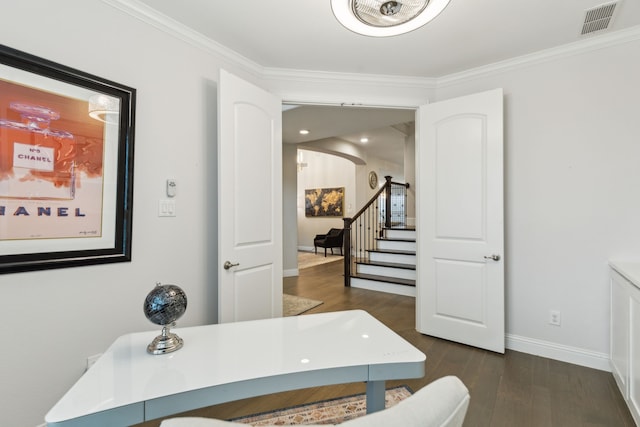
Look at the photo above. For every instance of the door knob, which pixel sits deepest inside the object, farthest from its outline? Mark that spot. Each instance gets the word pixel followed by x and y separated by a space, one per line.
pixel 227 265
pixel 493 257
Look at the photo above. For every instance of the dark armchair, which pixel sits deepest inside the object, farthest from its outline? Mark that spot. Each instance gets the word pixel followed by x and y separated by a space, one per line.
pixel 333 239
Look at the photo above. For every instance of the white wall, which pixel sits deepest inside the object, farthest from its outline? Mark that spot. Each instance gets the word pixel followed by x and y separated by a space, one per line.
pixel 571 175
pixel 53 320
pixel 410 175
pixel 289 210
pixel 382 168
pixel 572 145
pixel 323 171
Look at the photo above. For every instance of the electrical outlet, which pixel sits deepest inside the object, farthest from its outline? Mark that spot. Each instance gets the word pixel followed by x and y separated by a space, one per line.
pixel 554 317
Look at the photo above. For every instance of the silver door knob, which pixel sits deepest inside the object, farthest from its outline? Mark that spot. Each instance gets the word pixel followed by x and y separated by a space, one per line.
pixel 493 257
pixel 227 265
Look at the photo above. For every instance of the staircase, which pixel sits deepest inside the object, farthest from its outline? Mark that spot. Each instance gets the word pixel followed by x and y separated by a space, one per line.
pixel 391 265
pixel 379 247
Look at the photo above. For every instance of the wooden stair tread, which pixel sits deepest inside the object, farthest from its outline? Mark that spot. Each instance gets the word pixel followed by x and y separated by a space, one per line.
pixel 388 264
pixel 395 239
pixel 386 279
pixel 392 251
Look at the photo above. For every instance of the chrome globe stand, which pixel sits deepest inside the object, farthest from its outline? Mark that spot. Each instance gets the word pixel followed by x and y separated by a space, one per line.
pixel 166 342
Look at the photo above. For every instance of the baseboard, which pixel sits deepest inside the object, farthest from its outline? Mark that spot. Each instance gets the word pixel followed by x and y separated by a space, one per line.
pixel 306 248
pixel 291 272
pixel 563 353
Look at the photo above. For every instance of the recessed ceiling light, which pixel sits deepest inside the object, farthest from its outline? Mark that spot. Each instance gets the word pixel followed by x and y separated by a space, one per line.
pixel 364 140
pixel 304 132
pixel 382 18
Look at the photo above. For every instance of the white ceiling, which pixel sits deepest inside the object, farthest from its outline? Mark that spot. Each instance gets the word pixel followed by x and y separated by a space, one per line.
pixel 304 35
pixel 350 124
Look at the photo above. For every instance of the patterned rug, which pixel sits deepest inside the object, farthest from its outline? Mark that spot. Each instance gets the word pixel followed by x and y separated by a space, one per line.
pixel 293 305
pixel 325 412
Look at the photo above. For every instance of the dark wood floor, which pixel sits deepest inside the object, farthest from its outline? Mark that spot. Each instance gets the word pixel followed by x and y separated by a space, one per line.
pixel 514 389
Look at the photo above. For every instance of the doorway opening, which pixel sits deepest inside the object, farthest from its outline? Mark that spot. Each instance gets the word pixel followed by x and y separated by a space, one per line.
pixel 339 147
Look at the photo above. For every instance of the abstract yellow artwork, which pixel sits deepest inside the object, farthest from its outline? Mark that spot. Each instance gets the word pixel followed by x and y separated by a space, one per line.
pixel 324 202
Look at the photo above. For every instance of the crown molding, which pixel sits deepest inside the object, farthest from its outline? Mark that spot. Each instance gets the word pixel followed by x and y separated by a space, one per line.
pixel 172 27
pixel 576 48
pixel 308 76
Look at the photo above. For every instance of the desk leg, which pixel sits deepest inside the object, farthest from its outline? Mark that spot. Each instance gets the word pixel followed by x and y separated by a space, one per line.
pixel 375 396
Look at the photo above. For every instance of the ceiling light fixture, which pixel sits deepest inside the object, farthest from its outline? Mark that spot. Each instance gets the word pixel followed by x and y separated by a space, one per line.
pixel 364 139
pixel 304 132
pixel 382 18
pixel 300 161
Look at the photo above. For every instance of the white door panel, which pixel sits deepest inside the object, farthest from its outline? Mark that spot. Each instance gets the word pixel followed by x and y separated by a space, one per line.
pixel 459 187
pixel 454 278
pixel 460 293
pixel 252 288
pixel 249 201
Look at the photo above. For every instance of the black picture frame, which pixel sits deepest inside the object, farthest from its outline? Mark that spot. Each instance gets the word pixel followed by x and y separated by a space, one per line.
pixel 66 191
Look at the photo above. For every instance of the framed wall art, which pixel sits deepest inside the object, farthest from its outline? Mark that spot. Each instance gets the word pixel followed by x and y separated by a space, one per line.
pixel 324 202
pixel 66 165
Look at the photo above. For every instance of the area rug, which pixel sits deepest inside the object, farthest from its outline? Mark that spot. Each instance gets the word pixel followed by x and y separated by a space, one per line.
pixel 310 259
pixel 293 305
pixel 325 412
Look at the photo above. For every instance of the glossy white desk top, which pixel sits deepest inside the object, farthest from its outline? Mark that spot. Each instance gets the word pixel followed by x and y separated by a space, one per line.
pixel 216 355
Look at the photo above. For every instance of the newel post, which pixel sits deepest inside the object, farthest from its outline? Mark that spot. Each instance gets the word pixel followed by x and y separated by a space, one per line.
pixel 387 202
pixel 346 235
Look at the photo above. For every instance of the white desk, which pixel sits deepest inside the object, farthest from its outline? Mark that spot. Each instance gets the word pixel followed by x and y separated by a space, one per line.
pixel 221 363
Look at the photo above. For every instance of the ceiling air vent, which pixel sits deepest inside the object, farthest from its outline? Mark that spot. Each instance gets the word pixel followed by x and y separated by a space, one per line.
pixel 598 18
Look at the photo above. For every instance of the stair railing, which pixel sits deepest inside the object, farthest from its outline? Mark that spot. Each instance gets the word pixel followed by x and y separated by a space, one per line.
pixel 386 209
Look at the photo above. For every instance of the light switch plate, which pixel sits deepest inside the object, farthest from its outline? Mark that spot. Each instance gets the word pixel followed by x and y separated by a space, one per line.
pixel 167 208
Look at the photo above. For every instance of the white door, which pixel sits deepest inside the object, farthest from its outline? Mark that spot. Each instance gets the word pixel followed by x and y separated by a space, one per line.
pixel 249 201
pixel 459 155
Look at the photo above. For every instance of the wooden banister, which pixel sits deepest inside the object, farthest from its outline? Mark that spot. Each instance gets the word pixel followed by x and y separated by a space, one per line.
pixel 369 226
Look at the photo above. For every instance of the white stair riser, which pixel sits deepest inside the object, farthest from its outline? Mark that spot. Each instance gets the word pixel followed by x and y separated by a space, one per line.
pixel 389 288
pixel 396 245
pixel 400 273
pixel 384 257
pixel 400 234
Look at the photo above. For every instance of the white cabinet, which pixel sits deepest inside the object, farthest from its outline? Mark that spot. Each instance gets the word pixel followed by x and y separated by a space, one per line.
pixel 625 332
pixel 634 355
pixel 620 331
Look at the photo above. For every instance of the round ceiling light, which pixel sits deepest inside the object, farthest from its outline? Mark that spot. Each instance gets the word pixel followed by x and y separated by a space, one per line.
pixel 382 18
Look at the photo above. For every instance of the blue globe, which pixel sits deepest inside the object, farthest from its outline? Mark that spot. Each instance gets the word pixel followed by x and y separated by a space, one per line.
pixel 165 304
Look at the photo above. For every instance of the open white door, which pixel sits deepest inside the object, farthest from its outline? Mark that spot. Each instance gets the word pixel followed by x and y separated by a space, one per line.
pixel 249 201
pixel 459 155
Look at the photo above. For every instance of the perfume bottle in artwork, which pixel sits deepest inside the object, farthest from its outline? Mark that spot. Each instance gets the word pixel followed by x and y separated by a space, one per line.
pixel 36 161
pixel 52 154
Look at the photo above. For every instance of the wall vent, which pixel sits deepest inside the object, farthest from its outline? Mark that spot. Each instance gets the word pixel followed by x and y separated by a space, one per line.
pixel 599 18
